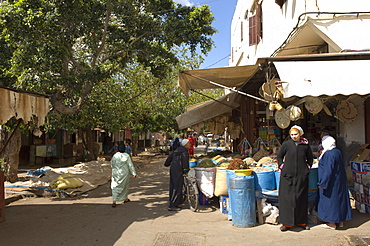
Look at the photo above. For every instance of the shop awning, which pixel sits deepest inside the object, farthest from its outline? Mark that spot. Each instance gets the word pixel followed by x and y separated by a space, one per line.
pixel 226 76
pixel 340 33
pixel 315 78
pixel 209 110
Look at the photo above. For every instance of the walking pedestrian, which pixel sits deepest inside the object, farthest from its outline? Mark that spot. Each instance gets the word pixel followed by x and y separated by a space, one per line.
pixel 192 145
pixel 295 160
pixel 333 204
pixel 122 168
pixel 179 162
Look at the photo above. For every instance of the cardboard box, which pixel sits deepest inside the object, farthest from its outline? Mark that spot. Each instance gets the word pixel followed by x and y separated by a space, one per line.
pixel 361 207
pixel 367 190
pixel 359 197
pixel 358 187
pixel 359 154
pixel 224 199
pixel 367 208
pixel 360 166
pixel 358 177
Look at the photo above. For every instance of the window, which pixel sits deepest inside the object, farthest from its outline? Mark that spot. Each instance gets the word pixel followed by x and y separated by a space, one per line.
pixel 255 27
pixel 241 31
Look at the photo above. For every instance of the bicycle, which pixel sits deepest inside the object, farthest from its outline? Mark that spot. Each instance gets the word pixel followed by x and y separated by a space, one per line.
pixel 190 190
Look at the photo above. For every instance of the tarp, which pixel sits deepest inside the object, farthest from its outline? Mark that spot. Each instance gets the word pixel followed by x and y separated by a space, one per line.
pixel 23 106
pixel 209 110
pixel 316 78
pixel 226 76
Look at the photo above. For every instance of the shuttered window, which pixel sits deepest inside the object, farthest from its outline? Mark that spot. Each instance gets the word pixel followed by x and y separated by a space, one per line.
pixel 255 27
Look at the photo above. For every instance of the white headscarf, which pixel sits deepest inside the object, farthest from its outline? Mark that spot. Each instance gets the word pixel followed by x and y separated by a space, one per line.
pixel 301 132
pixel 184 142
pixel 328 143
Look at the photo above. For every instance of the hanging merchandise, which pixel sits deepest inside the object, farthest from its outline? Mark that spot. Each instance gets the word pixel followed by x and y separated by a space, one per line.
pixel 346 112
pixel 281 119
pixel 271 90
pixel 259 144
pixel 274 144
pixel 313 104
pixel 293 112
pixel 245 147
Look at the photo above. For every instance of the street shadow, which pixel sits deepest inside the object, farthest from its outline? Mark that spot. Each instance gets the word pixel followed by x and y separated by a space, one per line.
pixel 72 221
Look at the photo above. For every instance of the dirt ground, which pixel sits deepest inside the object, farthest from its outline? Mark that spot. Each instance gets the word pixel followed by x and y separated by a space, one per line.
pixel 89 219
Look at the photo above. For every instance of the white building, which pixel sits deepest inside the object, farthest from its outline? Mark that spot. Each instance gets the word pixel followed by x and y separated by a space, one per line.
pixel 320 49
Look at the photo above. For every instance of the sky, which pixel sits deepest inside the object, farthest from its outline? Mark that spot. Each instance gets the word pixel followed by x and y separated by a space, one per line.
pixel 223 11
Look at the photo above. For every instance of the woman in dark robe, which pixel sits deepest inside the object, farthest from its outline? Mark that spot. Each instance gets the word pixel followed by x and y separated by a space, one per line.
pixel 333 203
pixel 295 160
pixel 179 162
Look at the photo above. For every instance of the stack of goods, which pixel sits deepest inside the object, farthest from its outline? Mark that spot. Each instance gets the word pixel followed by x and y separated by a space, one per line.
pixel 360 167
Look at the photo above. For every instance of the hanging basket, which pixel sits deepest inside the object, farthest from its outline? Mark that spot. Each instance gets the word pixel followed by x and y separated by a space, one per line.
pixel 346 112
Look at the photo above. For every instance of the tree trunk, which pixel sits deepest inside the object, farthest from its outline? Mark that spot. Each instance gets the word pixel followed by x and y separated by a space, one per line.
pixel 12 157
pixel 135 143
pixel 86 136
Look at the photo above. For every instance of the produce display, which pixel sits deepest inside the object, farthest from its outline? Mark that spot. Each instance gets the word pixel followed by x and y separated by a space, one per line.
pixel 224 163
pixel 237 163
pixel 205 163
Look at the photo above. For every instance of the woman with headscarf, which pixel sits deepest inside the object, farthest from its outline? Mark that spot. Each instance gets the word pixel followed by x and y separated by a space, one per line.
pixel 295 160
pixel 122 168
pixel 333 204
pixel 176 143
pixel 179 162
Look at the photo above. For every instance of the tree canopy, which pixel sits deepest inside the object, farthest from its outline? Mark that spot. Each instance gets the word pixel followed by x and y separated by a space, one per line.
pixel 67 49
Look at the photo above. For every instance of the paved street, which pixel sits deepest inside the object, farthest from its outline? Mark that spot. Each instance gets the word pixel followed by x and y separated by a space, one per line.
pixel 90 220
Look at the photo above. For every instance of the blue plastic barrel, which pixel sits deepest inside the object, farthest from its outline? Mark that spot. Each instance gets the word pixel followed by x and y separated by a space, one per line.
pixel 243 201
pixel 313 179
pixel 193 163
pixel 229 174
pixel 265 180
pixel 277 179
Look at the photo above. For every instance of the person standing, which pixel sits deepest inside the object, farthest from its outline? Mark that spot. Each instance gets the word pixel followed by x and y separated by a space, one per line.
pixel 179 162
pixel 114 149
pixel 333 204
pixel 122 168
pixel 128 149
pixel 295 160
pixel 206 146
pixel 192 145
pixel 176 143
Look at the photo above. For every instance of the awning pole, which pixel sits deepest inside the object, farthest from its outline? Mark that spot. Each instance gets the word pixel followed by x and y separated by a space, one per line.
pixel 217 101
pixel 225 87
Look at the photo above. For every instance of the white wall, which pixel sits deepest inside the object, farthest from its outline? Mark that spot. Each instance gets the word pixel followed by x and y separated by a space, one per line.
pixel 354 132
pixel 277 24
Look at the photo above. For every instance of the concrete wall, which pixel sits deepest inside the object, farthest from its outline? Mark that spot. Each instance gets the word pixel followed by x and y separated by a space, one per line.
pixel 277 24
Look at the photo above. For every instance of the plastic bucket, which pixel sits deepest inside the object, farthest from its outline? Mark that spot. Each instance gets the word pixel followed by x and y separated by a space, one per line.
pixel 193 163
pixel 203 199
pixel 265 180
pixel 243 201
pixel 229 174
pixel 277 179
pixel 313 179
pixel 243 172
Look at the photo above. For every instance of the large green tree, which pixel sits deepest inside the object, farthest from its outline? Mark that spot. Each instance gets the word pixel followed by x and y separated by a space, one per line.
pixel 65 48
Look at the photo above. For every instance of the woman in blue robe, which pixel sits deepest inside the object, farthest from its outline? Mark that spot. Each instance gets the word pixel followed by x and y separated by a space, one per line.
pixel 333 204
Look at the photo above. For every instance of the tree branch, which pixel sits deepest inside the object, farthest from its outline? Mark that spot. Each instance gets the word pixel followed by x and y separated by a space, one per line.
pixel 104 37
